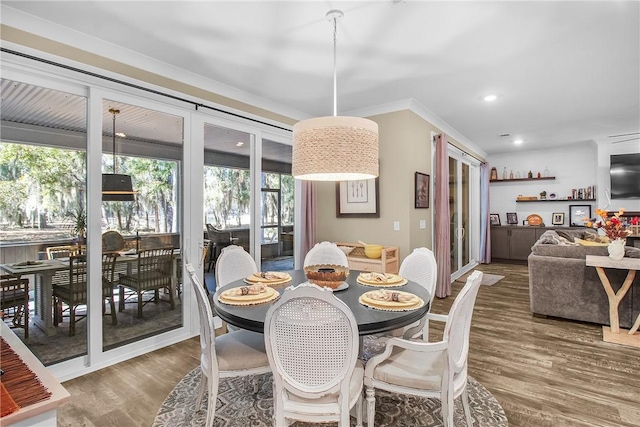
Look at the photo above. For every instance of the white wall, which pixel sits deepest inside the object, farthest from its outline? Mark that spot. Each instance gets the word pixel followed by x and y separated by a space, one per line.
pixel 604 150
pixel 573 166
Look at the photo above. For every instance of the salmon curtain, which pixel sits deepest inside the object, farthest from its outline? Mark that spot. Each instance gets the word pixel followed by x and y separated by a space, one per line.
pixel 442 231
pixel 485 229
pixel 309 218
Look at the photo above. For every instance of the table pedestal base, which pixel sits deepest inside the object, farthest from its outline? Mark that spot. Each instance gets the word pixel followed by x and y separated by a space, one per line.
pixel 622 337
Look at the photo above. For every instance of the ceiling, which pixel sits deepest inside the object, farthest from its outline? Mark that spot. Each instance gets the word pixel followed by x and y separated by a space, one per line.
pixel 563 72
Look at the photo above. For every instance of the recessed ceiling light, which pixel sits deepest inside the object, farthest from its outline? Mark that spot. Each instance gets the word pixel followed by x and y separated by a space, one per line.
pixel 490 98
pixel 517 142
pixel 239 144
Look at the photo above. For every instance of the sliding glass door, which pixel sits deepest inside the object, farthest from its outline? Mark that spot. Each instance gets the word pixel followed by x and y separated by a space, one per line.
pixel 464 187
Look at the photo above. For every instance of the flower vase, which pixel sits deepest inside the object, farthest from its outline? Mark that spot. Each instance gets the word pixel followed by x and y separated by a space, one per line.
pixel 616 249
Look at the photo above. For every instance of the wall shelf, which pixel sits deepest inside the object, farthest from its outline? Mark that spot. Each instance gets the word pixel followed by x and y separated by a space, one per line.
pixel 543 178
pixel 556 200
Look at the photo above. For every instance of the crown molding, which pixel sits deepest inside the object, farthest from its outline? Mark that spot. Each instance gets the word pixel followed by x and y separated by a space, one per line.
pixel 424 113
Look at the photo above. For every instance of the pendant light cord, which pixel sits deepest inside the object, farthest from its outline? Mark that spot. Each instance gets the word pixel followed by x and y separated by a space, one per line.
pixel 113 111
pixel 335 73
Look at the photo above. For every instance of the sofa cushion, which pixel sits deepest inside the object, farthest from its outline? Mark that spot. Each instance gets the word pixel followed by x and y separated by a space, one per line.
pixel 590 242
pixel 562 251
pixel 631 252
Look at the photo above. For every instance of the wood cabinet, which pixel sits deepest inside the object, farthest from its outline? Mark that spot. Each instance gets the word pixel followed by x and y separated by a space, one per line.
pixel 389 261
pixel 514 242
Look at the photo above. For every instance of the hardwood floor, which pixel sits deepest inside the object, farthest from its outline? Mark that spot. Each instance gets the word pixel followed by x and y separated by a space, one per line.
pixel 544 372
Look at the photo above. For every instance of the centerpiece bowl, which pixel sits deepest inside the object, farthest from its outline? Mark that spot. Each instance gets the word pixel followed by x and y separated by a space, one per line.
pixel 326 275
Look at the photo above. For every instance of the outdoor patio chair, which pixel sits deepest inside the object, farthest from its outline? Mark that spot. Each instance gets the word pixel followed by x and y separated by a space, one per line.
pixel 14 296
pixel 312 345
pixel 72 290
pixel 234 354
pixel 429 369
pixel 152 271
pixel 219 239
pixel 54 252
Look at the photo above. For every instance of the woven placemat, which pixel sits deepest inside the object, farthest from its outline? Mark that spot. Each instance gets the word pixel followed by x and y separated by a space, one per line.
pixel 389 305
pixel 272 296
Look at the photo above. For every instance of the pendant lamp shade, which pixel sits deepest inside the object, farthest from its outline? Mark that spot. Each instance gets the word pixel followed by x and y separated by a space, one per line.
pixel 116 187
pixel 335 148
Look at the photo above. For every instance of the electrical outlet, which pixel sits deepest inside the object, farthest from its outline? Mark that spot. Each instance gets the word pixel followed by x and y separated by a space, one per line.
pixel 423 224
pixel 396 225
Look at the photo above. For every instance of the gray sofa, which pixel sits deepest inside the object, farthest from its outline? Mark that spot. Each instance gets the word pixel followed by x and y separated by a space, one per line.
pixel 561 285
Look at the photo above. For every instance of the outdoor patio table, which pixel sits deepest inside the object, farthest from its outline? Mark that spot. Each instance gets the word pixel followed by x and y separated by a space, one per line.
pixel 370 321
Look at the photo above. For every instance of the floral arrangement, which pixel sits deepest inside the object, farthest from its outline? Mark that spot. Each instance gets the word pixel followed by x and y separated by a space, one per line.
pixel 613 227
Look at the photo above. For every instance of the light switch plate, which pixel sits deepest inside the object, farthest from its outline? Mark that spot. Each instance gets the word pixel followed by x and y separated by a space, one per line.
pixel 396 225
pixel 423 224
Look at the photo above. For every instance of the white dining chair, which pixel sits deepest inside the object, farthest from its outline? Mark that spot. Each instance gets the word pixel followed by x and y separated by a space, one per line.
pixel 420 267
pixel 234 354
pixel 234 263
pixel 312 345
pixel 429 369
pixel 326 253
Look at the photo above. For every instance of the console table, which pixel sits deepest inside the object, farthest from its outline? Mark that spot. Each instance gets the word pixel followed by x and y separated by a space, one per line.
pixel 613 333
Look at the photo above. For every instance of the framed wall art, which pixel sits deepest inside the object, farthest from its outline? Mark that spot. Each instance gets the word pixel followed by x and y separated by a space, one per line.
pixel 421 191
pixel 557 218
pixel 358 199
pixel 494 219
pixel 512 218
pixel 577 215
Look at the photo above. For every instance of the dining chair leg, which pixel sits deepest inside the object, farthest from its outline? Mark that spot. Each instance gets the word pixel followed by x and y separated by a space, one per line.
pixel 466 407
pixel 211 402
pixel 371 406
pixel 203 388
pixel 112 306
pixel 72 320
pixel 172 299
pixel 359 411
pixel 121 299
pixel 139 304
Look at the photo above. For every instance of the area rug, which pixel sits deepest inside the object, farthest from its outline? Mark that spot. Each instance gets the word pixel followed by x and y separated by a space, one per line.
pixel 487 279
pixel 238 406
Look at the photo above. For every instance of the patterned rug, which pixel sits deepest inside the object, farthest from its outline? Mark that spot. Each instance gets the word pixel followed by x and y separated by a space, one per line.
pixel 238 406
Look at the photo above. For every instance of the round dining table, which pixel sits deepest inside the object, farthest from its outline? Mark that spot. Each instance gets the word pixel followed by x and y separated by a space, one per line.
pixel 370 320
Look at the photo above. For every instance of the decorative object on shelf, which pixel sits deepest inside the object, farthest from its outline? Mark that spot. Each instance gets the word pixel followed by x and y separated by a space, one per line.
pixel 579 215
pixel 494 219
pixel 521 197
pixel 543 195
pixel 335 148
pixel 358 199
pixel 546 172
pixel 525 222
pixel 615 229
pixel 422 191
pixel 530 174
pixel 494 174
pixel 535 220
pixel 504 173
pixel 511 174
pixel 557 218
pixel 553 196
pixel 512 218
pixel 539 175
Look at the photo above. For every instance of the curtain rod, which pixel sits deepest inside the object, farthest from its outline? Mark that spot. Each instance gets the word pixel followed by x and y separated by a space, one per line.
pixel 135 86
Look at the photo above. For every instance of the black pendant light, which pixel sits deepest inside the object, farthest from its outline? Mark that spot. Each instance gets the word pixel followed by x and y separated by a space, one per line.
pixel 116 187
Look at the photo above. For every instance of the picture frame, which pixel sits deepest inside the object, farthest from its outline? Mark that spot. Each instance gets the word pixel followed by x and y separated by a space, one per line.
pixel 577 215
pixel 494 219
pixel 512 218
pixel 358 199
pixel 557 218
pixel 421 190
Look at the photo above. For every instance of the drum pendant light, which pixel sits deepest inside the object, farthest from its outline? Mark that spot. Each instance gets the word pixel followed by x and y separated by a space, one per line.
pixel 335 148
pixel 116 187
